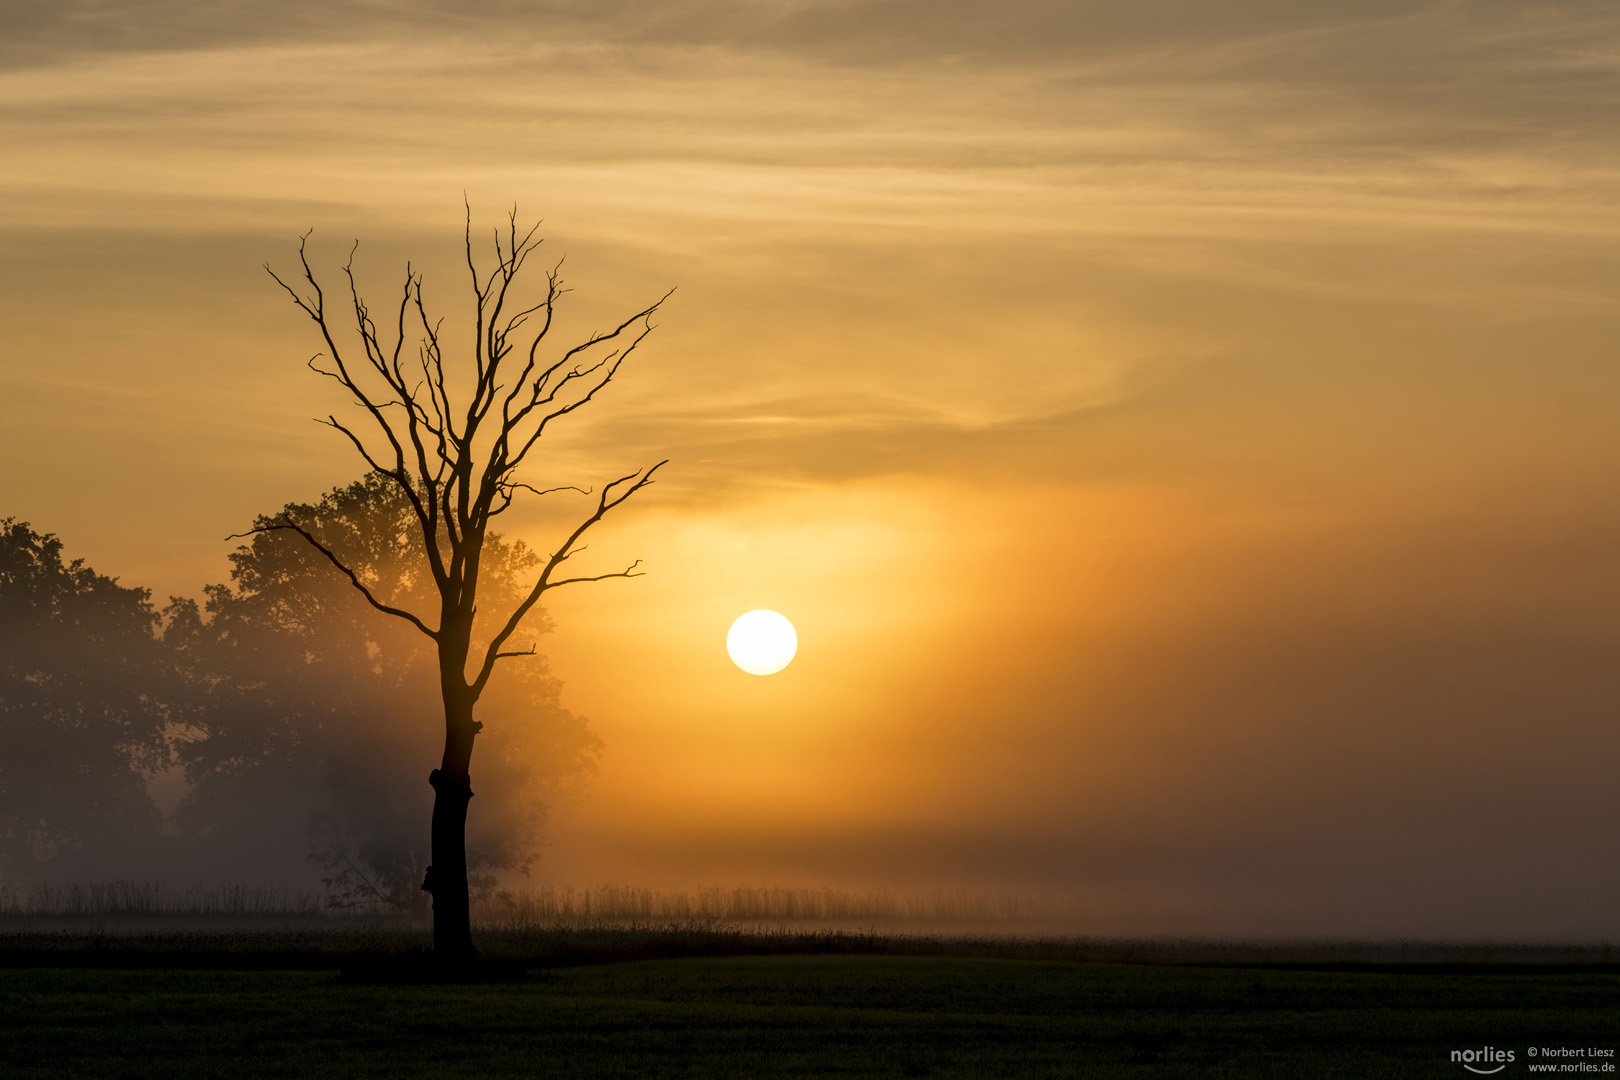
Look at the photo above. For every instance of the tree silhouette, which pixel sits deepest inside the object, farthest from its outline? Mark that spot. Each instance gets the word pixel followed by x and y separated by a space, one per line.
pixel 85 697
pixel 454 439
pixel 304 694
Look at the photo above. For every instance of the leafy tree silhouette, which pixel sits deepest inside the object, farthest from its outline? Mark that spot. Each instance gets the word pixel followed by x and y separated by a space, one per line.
pixel 299 681
pixel 454 438
pixel 85 697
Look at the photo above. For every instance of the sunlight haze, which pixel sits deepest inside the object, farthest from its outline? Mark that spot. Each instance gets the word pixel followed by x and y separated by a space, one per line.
pixel 1189 443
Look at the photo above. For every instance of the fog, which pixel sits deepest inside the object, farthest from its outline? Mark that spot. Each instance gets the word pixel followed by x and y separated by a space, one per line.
pixel 277 735
pixel 1181 434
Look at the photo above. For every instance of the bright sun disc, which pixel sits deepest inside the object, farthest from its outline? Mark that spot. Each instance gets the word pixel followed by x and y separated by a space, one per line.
pixel 762 642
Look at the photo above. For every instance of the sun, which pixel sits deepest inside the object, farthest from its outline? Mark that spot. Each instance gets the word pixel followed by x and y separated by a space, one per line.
pixel 762 642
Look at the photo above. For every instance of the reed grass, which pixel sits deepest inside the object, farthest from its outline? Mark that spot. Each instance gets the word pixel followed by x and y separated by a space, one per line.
pixel 565 904
pixel 146 898
pixel 234 924
pixel 745 904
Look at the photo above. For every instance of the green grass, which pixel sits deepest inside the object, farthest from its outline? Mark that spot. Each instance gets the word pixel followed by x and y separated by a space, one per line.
pixel 793 1016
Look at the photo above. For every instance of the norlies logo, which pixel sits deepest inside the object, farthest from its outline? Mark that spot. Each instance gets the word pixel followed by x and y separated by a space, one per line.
pixel 1481 1060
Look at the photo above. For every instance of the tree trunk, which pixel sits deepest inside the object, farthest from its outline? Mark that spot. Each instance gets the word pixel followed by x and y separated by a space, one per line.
pixel 447 877
pixel 452 790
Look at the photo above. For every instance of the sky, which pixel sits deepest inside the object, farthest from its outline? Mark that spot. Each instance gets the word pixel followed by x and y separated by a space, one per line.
pixel 1181 432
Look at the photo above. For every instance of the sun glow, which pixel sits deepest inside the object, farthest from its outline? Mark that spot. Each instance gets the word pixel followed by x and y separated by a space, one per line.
pixel 762 642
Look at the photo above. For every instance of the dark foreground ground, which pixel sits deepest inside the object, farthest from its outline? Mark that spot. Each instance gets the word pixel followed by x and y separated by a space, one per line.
pixel 880 1014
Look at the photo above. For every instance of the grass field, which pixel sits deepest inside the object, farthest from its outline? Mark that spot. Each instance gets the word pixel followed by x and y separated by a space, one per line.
pixel 793 1016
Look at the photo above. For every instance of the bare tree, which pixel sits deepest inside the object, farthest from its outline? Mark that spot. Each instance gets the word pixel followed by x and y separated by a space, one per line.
pixel 454 441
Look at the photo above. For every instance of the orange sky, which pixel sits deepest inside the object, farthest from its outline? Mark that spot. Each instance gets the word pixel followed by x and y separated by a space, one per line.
pixel 1182 433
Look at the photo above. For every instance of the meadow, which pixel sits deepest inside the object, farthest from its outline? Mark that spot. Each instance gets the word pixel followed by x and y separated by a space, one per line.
pixel 804 1015
pixel 126 982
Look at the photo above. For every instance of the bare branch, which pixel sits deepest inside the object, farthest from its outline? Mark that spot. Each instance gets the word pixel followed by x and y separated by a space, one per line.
pixel 332 422
pixel 387 609
pixel 605 502
pixel 315 309
pixel 547 491
pixel 514 460
pixel 454 455
pixel 629 571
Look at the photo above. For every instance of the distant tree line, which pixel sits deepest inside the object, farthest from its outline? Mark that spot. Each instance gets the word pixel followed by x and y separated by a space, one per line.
pixel 282 685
